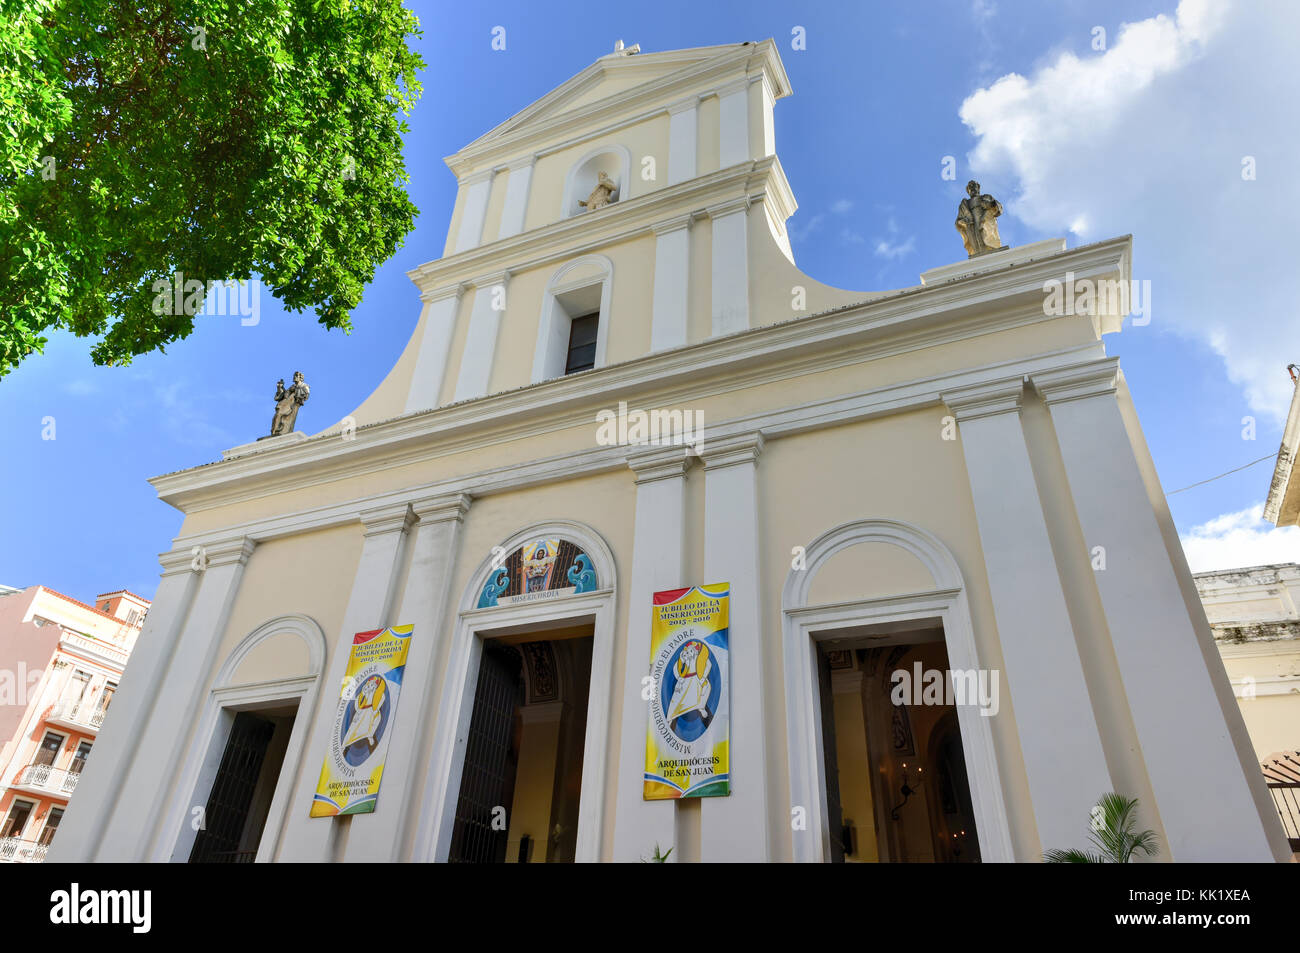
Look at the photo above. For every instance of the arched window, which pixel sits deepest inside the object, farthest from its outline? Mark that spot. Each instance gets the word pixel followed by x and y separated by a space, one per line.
pixel 572 332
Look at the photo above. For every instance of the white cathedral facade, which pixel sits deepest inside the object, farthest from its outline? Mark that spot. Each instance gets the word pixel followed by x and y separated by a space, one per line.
pixel 941 478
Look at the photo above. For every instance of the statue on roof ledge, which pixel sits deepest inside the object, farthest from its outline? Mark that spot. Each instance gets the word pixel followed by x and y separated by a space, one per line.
pixel 977 221
pixel 287 401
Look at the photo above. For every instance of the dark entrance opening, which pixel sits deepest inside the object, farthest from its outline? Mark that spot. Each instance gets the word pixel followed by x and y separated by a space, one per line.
pixel 522 776
pixel 896 784
pixel 241 794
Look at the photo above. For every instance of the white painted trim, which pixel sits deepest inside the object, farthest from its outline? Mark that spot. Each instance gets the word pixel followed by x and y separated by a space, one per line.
pixel 947 603
pixel 553 324
pixel 683 138
pixel 670 309
pixel 204 756
pixel 476 361
pixel 1265 685
pixel 802 418
pixel 516 202
pixel 730 268
pixel 473 212
pixel 456 700
pixel 733 123
pixel 435 347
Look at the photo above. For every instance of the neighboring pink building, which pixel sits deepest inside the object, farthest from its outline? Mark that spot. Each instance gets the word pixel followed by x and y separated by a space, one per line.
pixel 60 662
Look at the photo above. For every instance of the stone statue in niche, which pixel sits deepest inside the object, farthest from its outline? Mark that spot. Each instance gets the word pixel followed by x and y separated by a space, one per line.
pixel 601 195
pixel 977 221
pixel 287 401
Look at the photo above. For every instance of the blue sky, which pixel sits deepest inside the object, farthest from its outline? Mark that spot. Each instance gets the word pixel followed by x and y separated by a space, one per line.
pixel 1146 136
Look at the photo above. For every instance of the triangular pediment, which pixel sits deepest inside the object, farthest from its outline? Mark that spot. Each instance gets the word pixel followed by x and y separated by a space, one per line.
pixel 604 79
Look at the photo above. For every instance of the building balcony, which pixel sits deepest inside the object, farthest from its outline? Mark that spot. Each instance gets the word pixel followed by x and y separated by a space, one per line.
pixel 48 780
pixel 15 850
pixel 84 718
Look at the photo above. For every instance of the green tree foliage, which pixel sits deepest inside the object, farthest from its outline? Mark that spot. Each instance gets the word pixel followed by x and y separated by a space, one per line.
pixel 221 139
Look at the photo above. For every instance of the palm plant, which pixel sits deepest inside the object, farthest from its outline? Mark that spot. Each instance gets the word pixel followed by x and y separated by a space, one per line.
pixel 1112 834
pixel 658 858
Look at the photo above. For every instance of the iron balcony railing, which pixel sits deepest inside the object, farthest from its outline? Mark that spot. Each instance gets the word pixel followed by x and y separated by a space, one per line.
pixel 49 778
pixel 79 714
pixel 15 850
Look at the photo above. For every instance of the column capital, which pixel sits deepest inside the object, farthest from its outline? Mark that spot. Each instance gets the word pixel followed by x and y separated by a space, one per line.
pixel 485 282
pixel 233 550
pixel 676 223
pixel 483 175
pixel 229 552
pixel 396 518
pixel 985 400
pixel 440 509
pixel 438 294
pixel 523 162
pixel 1094 379
pixel 733 450
pixel 690 102
pixel 197 557
pixel 178 560
pixel 728 207
pixel 735 86
pixel 660 463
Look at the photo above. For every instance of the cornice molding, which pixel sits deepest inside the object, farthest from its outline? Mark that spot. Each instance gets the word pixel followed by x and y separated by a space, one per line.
pixel 828 412
pixel 566 238
pixel 882 327
pixel 529 131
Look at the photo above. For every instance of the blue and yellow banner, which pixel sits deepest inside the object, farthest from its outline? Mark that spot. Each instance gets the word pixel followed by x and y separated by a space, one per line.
pixel 354 763
pixel 688 734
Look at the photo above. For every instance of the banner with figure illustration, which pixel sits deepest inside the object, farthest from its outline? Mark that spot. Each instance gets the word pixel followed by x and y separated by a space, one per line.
pixel 354 762
pixel 688 735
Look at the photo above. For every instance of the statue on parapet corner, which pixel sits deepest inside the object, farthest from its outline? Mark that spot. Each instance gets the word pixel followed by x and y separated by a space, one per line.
pixel 601 195
pixel 287 401
pixel 977 221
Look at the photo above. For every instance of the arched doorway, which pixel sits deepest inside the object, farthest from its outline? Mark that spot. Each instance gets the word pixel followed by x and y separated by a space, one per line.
pixel 927 626
pixel 519 759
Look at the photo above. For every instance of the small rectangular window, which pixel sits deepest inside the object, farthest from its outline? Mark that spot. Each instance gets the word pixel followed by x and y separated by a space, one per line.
pixel 79 762
pixel 49 748
pixel 17 819
pixel 51 825
pixel 582 344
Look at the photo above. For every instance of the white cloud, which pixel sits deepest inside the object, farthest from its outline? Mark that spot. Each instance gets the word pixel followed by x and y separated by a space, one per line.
pixel 1148 137
pixel 895 250
pixel 891 248
pixel 1237 540
pixel 799 233
pixel 841 206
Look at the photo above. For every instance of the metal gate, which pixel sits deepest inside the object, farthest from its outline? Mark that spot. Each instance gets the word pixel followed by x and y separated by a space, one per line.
pixel 226 813
pixel 491 756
